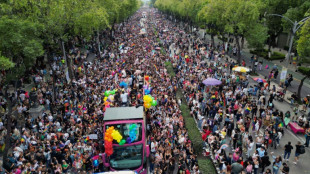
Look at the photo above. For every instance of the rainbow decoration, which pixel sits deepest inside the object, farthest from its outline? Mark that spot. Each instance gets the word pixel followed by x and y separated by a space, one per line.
pixel 156 67
pixel 280 125
pixel 86 139
pixel 46 128
pixel 247 110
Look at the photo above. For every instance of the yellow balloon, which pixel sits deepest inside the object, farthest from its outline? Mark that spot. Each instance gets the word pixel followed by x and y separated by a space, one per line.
pixel 105 99
pixel 147 105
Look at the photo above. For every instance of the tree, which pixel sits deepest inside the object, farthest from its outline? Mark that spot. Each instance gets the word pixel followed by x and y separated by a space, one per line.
pixel 303 48
pixel 303 43
pixel 20 40
pixel 274 24
pixel 238 17
pixel 5 63
pixel 212 15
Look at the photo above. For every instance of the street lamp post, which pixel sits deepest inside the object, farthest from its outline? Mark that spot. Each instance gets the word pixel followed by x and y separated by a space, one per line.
pixel 296 26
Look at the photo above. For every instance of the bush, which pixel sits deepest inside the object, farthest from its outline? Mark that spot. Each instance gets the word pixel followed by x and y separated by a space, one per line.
pixel 264 54
pixel 170 69
pixel 304 70
pixel 206 166
pixel 286 48
pixel 277 56
pixel 261 53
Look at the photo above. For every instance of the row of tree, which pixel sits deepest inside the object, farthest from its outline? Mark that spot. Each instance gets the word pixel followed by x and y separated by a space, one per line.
pixel 32 28
pixel 244 19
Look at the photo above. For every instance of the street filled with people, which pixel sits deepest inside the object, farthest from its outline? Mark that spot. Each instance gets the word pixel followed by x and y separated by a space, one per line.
pixel 235 115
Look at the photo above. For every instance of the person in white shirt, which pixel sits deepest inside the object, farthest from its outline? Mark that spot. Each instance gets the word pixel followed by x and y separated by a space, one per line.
pixel 250 147
pixel 124 98
pixel 153 145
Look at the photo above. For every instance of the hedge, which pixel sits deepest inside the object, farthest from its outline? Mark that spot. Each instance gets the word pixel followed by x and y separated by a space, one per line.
pixel 277 56
pixel 205 164
pixel 264 53
pixel 304 70
pixel 170 69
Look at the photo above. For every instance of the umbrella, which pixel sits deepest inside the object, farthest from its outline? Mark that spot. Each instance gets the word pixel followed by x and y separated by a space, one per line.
pixel 241 69
pixel 259 80
pixel 211 82
pixel 224 146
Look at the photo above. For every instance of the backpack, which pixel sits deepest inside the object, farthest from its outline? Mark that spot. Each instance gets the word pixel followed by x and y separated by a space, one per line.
pixel 302 149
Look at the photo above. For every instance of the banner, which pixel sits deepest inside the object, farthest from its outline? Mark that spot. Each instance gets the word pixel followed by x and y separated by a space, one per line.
pixel 283 74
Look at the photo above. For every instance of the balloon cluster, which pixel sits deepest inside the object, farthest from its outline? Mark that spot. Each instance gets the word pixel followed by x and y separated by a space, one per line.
pixel 132 133
pixel 108 138
pixel 149 101
pixel 108 93
pixel 110 135
pixel 123 84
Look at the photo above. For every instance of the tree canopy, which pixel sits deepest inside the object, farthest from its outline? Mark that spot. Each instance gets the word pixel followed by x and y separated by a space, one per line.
pixel 29 27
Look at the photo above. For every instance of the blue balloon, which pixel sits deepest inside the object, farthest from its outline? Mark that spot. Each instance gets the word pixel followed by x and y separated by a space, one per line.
pixel 147 91
pixel 96 163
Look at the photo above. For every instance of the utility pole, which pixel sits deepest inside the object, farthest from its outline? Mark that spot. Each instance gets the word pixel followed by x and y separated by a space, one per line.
pixel 296 26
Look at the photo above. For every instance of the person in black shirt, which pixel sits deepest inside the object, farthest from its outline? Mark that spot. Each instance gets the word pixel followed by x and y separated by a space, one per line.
pixel 285 169
pixel 287 150
pixel 297 152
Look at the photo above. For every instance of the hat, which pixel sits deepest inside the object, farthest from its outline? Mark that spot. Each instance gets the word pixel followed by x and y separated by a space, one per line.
pixel 58 150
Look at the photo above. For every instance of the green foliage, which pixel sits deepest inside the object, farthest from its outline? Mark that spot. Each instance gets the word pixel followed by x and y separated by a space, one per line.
pixel 170 69
pixel 20 40
pixel 303 44
pixel 264 54
pixel 185 9
pixel 206 165
pixel 295 13
pixel 304 70
pixel 257 37
pixel 28 28
pixel 277 56
pixel 5 63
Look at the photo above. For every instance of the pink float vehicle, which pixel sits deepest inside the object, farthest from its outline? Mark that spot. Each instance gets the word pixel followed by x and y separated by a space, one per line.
pixel 126 145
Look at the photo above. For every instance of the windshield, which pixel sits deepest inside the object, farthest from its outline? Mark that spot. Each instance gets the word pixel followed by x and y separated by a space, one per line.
pixel 124 131
pixel 129 157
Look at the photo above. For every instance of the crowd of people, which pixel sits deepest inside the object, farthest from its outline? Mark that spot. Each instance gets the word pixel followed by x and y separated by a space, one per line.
pixel 55 142
pixel 229 115
pixel 233 114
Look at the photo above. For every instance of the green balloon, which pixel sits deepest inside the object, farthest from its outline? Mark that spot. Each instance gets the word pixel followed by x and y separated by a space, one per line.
pixel 112 92
pixel 122 142
pixel 107 93
pixel 154 103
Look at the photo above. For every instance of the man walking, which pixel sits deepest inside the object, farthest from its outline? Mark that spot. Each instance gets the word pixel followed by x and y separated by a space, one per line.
pixel 236 167
pixel 300 149
pixel 287 151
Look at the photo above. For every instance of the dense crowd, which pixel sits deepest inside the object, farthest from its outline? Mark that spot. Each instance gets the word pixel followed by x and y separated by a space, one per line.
pixel 238 121
pixel 229 115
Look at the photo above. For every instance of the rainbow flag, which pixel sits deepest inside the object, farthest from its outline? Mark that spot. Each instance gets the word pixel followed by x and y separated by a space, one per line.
pixel 156 67
pixel 280 125
pixel 86 139
pixel 247 110
pixel 46 128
